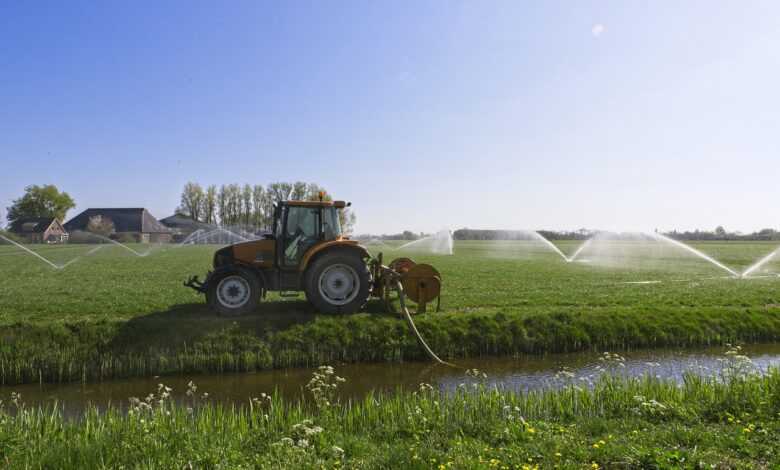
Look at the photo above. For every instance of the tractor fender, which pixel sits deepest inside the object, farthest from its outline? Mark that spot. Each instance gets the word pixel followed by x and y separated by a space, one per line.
pixel 346 245
pixel 233 267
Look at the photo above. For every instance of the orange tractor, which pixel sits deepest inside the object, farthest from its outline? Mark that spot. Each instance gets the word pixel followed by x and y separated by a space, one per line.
pixel 307 252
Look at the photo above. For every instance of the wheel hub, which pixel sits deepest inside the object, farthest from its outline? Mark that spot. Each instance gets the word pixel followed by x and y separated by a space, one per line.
pixel 339 284
pixel 233 291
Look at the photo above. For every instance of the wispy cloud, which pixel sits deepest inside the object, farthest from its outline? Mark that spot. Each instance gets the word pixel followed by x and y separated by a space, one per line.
pixel 597 30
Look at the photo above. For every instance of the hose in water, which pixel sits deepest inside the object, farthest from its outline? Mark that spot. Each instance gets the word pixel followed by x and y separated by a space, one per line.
pixel 413 328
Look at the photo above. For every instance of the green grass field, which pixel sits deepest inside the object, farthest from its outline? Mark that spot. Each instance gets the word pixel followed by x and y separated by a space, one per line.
pixel 113 284
pixel 112 313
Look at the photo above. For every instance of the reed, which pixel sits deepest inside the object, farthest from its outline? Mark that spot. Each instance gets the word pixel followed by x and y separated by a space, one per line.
pixel 96 351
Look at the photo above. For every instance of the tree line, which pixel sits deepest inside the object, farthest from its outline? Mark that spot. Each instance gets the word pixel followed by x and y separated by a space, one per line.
pixel 472 234
pixel 719 234
pixel 406 235
pixel 248 206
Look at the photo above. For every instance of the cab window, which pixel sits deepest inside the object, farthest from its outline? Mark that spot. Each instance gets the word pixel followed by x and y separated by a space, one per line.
pixel 300 233
pixel 331 225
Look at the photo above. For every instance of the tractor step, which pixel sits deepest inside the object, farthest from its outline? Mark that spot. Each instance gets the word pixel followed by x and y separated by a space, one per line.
pixel 289 294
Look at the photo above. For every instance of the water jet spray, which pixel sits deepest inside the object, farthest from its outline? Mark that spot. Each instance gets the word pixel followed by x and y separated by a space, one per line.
pixel 690 249
pixel 756 266
pixel 53 265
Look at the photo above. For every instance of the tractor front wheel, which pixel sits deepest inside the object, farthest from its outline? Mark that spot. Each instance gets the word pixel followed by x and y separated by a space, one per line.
pixel 233 292
pixel 338 282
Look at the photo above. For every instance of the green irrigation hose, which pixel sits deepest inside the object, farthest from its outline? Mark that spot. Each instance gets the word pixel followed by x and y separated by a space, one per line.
pixel 413 327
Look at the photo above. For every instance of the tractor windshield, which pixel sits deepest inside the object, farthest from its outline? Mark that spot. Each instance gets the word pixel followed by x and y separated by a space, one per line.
pixel 331 225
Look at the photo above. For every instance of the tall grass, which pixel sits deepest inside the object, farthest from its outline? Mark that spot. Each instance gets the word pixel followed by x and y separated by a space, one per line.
pixel 730 421
pixel 102 350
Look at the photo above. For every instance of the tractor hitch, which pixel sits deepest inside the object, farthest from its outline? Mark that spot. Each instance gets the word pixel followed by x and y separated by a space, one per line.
pixel 194 283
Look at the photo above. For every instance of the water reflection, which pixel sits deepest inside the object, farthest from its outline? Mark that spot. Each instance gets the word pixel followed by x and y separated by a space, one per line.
pixel 520 374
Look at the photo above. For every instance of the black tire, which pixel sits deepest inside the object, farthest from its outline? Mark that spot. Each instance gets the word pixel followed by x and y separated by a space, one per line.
pixel 328 278
pixel 231 301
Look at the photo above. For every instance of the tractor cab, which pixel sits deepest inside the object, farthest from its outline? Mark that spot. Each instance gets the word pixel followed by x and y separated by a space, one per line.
pixel 300 225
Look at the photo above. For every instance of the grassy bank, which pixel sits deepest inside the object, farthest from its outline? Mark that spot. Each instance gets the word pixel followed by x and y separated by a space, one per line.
pixel 102 350
pixel 111 314
pixel 619 423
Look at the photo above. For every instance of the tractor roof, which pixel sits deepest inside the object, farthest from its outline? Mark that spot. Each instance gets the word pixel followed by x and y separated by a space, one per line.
pixel 336 204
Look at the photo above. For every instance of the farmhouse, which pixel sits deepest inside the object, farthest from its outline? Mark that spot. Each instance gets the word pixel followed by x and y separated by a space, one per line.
pixel 135 224
pixel 40 230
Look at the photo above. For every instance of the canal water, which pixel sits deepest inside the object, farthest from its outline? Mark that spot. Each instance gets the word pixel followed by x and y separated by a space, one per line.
pixel 513 373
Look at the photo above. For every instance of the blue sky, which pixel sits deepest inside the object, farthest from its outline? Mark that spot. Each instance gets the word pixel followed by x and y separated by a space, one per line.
pixel 606 115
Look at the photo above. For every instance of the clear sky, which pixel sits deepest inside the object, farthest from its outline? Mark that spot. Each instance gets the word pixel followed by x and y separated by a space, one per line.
pixel 605 115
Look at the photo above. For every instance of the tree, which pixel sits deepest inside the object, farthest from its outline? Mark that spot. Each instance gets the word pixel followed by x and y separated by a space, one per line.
pixel 347 218
pixel 247 199
pixel 192 201
pixel 40 201
pixel 720 231
pixel 100 225
pixel 234 204
pixel 222 204
pixel 250 206
pixel 210 205
pixel 313 191
pixel 259 205
pixel 299 191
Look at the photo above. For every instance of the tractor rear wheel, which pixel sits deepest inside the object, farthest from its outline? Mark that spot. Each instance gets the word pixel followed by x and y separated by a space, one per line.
pixel 234 292
pixel 338 282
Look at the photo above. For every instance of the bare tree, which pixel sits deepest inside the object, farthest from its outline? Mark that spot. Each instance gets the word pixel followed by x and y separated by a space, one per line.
pixel 279 192
pixel 246 199
pixel 100 225
pixel 210 205
pixel 299 191
pixel 250 206
pixel 258 205
pixel 192 201
pixel 236 203
pixel 222 203
pixel 313 191
pixel 346 216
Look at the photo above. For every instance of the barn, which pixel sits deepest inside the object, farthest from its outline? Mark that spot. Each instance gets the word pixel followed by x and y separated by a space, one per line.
pixel 135 224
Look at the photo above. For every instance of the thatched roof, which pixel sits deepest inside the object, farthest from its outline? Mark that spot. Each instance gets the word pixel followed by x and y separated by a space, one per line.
pixel 125 220
pixel 31 224
pixel 182 222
